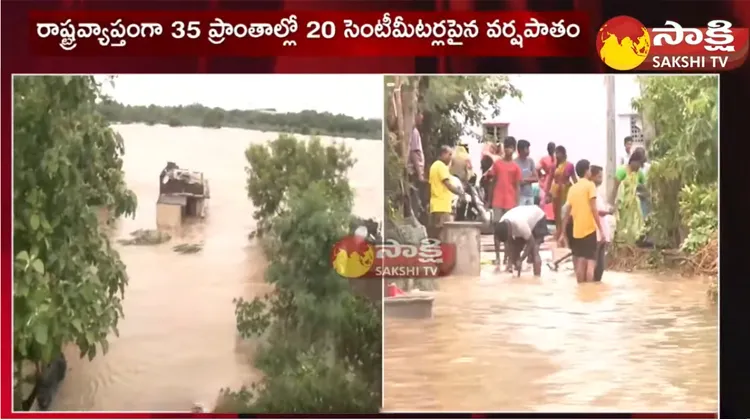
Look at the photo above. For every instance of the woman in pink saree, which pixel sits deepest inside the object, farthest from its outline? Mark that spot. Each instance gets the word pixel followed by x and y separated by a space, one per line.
pixel 559 183
pixel 544 170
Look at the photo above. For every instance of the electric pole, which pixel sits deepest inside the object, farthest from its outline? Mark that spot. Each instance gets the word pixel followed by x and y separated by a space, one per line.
pixel 611 166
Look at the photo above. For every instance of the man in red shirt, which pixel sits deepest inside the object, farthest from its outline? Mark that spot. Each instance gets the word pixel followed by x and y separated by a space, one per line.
pixel 506 178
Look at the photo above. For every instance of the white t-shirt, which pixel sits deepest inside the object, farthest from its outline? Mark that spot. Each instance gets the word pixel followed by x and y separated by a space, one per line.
pixel 601 205
pixel 625 159
pixel 523 219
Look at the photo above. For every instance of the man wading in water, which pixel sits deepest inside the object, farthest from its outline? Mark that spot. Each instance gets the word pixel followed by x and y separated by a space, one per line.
pixel 586 223
pixel 605 236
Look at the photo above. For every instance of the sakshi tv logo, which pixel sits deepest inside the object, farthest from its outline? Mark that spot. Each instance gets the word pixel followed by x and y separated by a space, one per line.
pixel 625 44
pixel 354 257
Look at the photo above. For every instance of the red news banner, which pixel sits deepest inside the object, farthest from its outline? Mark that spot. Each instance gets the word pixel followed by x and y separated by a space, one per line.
pixel 307 33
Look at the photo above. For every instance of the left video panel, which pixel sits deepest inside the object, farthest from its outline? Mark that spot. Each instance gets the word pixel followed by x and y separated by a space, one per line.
pixel 176 240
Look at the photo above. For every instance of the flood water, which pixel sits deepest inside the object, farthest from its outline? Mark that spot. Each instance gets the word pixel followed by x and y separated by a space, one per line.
pixel 177 343
pixel 633 343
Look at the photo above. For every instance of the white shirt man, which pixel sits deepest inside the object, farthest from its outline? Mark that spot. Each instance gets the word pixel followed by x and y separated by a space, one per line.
pixel 523 220
pixel 607 219
pixel 523 228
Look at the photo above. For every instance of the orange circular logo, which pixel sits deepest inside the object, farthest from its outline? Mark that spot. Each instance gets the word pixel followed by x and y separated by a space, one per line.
pixel 352 257
pixel 623 43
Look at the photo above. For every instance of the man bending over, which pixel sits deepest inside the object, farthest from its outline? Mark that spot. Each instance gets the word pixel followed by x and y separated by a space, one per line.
pixel 523 230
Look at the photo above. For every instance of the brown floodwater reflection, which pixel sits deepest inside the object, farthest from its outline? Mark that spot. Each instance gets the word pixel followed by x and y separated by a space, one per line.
pixel 633 343
pixel 177 343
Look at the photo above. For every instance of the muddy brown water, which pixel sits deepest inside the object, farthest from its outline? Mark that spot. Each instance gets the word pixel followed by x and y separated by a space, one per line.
pixel 633 343
pixel 177 343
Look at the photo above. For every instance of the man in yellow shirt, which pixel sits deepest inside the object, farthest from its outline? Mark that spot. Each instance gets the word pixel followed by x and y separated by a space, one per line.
pixel 441 193
pixel 586 222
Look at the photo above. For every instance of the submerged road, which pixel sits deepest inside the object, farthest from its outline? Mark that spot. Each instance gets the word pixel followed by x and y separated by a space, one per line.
pixel 635 342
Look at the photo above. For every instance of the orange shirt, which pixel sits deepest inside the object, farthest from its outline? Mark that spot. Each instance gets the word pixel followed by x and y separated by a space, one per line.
pixel 507 175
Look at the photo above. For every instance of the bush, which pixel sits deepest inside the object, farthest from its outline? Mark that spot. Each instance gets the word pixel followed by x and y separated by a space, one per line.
pixel 699 206
pixel 212 119
pixel 174 122
pixel 684 115
pixel 321 345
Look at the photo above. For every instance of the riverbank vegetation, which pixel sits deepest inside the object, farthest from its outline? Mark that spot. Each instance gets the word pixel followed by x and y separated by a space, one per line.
pixel 68 283
pixel 305 122
pixel 682 139
pixel 319 344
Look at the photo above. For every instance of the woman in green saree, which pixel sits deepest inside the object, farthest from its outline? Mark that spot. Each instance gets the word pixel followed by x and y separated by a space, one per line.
pixel 629 185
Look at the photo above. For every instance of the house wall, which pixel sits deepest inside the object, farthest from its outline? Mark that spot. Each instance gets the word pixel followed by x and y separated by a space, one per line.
pixel 168 216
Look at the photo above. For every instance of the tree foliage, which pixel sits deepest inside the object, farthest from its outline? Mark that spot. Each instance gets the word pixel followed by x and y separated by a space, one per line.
pixel 288 163
pixel 305 122
pixel 68 282
pixel 450 105
pixel 321 350
pixel 683 112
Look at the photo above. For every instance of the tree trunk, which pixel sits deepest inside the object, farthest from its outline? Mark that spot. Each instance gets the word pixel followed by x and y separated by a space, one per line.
pixel 409 109
pixel 397 104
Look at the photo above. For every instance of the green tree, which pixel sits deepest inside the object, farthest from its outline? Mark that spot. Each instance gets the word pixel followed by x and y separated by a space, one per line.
pixel 68 282
pixel 321 350
pixel 682 112
pixel 288 163
pixel 214 118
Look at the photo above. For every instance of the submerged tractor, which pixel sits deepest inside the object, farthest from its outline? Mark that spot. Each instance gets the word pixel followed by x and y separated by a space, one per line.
pixel 182 194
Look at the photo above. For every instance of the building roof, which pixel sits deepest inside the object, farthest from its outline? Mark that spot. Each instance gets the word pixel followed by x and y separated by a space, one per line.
pixel 495 124
pixel 173 200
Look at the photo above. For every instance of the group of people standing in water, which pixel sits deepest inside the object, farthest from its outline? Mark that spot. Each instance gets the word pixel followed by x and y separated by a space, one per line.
pixel 516 188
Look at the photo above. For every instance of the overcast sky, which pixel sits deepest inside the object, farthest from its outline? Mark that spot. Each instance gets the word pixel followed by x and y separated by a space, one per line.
pixel 359 96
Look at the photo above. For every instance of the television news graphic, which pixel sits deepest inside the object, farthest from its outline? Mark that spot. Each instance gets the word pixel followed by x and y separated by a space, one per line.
pixel 308 33
pixel 624 43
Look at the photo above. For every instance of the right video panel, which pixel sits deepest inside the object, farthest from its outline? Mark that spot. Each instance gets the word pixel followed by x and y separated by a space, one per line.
pixel 552 242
